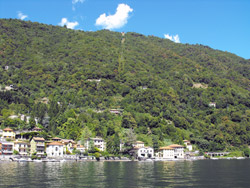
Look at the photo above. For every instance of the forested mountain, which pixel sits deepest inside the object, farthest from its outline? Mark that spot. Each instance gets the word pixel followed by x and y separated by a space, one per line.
pixel 70 79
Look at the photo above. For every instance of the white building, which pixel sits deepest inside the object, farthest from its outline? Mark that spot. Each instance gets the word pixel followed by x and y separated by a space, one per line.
pixel 54 149
pixel 22 148
pixel 188 145
pixel 98 143
pixel 173 151
pixel 212 104
pixel 145 152
pixel 166 152
pixel 138 144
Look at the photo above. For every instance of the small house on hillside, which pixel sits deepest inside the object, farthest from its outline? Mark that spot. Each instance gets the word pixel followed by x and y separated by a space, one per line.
pixel 37 129
pixel 188 145
pixel 212 104
pixel 116 111
pixel 138 144
pixel 8 133
pixel 56 139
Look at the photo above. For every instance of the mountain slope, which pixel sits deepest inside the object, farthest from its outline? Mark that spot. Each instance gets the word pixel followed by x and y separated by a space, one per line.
pixel 166 90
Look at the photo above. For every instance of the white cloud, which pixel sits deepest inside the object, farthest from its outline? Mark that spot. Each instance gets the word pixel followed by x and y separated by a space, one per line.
pixel 77 1
pixel 74 2
pixel 70 25
pixel 174 38
pixel 118 20
pixel 21 15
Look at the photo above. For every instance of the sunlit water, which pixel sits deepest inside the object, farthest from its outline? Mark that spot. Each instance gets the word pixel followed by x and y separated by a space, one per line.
pixel 206 173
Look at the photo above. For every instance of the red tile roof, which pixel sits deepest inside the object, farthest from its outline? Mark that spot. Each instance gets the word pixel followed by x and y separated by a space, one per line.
pixel 38 139
pixel 166 148
pixel 8 129
pixel 176 146
pixel 55 144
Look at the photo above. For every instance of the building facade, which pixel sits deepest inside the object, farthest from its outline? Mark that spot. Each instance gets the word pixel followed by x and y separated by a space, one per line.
pixel 97 142
pixel 166 152
pixel 145 152
pixel 54 149
pixel 22 148
pixel 138 144
pixel 178 151
pixel 173 151
pixel 188 145
pixel 8 133
pixel 7 148
pixel 37 144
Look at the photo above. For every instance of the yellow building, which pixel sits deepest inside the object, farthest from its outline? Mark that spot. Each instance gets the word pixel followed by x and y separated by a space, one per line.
pixel 8 133
pixel 37 144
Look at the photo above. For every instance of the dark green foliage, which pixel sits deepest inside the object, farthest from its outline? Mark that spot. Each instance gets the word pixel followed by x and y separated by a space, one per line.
pixel 165 89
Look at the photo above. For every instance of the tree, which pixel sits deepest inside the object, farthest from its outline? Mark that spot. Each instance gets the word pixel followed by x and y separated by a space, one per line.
pixel 86 134
pixel 128 120
pixel 113 144
pixel 155 143
pixel 129 140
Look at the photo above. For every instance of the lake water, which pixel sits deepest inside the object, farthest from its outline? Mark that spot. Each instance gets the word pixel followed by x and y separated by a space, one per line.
pixel 204 173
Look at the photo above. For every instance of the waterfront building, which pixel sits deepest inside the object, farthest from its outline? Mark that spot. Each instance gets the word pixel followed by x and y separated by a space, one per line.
pixel 22 147
pixel 166 152
pixel 8 133
pixel 54 149
pixel 143 152
pixel 188 145
pixel 7 148
pixel 173 151
pixel 37 144
pixel 97 142
pixel 178 151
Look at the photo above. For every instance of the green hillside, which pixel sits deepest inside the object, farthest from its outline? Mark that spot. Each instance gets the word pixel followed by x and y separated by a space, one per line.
pixel 166 91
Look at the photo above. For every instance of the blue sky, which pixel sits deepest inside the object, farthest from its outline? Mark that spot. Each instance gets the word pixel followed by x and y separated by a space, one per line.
pixel 220 24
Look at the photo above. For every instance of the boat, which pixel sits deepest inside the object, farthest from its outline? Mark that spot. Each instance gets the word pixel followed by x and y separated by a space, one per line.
pixel 22 160
pixel 214 158
pixel 38 161
pixel 240 158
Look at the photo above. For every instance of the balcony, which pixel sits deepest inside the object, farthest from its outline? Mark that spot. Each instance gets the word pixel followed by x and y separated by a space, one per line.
pixel 40 145
pixel 23 153
pixel 39 153
pixel 7 152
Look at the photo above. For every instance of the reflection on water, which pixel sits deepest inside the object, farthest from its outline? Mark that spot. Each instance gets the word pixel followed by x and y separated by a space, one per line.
pixel 220 173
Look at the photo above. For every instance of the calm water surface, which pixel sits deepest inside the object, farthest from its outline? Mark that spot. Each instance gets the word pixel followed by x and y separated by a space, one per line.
pixel 205 173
